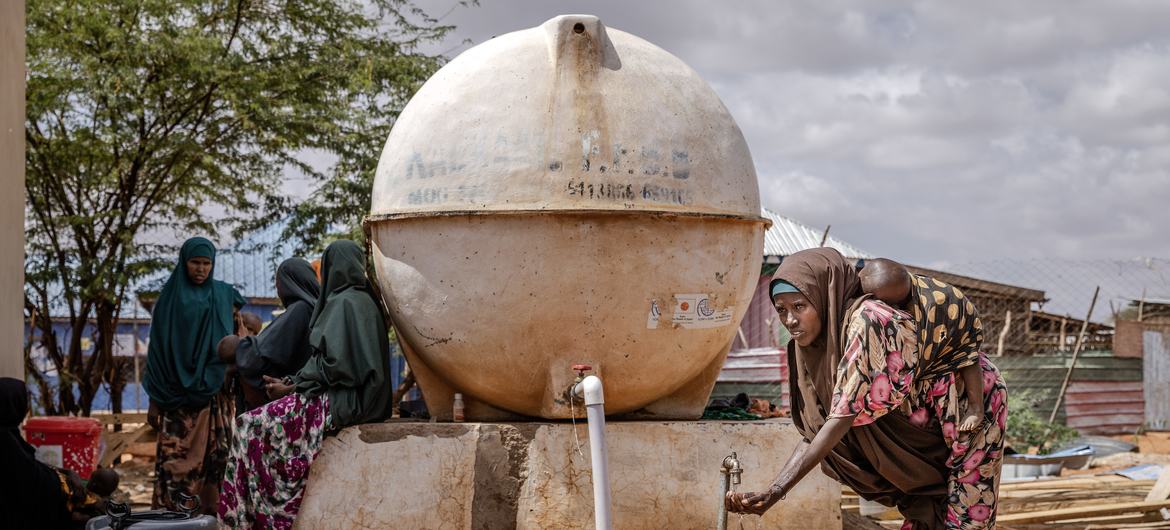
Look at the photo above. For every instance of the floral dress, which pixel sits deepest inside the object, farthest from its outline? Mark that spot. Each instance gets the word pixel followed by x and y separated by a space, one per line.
pixel 877 376
pixel 274 446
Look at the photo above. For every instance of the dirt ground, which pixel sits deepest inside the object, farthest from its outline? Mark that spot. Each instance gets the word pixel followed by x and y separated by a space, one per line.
pixel 1099 486
pixel 136 482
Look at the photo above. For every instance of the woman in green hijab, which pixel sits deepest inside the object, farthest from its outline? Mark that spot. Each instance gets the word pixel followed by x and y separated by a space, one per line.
pixel 346 381
pixel 184 376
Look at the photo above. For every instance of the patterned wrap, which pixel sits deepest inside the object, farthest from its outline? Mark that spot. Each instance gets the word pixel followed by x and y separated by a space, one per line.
pixel 877 370
pixel 192 450
pixel 976 457
pixel 878 375
pixel 949 328
pixel 269 466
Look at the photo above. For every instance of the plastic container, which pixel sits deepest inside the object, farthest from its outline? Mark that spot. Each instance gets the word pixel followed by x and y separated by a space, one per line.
pixel 457 409
pixel 66 442
pixel 157 520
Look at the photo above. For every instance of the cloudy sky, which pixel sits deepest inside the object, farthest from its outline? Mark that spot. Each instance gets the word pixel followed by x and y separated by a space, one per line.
pixel 933 132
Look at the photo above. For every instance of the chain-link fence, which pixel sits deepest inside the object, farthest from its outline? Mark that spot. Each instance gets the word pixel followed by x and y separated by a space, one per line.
pixel 1098 311
pixel 1039 307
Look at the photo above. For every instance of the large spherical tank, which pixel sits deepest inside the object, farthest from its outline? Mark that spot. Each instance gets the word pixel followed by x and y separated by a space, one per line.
pixel 567 194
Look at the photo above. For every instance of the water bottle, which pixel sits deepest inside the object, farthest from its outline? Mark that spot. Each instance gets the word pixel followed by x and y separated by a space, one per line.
pixel 458 408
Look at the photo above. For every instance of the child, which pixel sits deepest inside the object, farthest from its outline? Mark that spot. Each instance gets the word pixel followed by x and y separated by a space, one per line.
pixel 251 322
pixel 890 282
pixel 246 323
pixel 102 483
pixel 226 349
pixel 243 395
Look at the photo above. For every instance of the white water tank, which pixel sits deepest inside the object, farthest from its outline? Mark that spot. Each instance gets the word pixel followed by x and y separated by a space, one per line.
pixel 567 194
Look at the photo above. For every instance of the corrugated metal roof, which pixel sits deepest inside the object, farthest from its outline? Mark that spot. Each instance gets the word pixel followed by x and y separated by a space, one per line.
pixel 250 264
pixel 1068 284
pixel 787 237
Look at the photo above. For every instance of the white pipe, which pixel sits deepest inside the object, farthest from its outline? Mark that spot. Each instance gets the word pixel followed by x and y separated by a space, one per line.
pixel 590 390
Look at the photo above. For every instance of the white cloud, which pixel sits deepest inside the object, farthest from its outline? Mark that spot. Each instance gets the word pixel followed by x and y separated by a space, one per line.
pixel 930 131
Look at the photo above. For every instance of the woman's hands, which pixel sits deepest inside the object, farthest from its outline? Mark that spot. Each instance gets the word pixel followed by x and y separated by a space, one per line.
pixel 276 388
pixel 752 502
pixel 805 457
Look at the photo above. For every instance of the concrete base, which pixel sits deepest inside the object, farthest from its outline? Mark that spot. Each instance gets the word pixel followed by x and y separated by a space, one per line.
pixel 530 476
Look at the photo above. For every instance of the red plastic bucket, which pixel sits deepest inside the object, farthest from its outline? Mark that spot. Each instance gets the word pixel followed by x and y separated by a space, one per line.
pixel 66 442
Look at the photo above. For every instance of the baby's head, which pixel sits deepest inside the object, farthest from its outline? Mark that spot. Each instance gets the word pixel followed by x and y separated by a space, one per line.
pixel 252 322
pixel 886 279
pixel 103 482
pixel 226 350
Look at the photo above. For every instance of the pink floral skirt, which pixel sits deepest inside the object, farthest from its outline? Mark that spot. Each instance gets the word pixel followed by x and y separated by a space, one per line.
pixel 269 464
pixel 976 457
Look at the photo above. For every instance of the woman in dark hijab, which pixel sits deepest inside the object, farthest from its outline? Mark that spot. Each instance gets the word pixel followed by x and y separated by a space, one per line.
pixel 184 376
pixel 283 347
pixel 864 415
pixel 345 381
pixel 32 494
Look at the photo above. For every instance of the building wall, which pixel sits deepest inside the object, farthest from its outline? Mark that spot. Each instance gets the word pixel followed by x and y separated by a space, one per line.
pixel 1104 395
pixel 1156 373
pixel 759 366
pixel 760 373
pixel 12 181
pixel 759 324
pixel 1105 407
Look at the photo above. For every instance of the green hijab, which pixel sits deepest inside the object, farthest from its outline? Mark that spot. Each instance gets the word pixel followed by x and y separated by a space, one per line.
pixel 182 369
pixel 351 348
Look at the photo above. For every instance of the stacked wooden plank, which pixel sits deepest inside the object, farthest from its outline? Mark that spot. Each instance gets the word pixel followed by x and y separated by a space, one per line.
pixel 120 433
pixel 1101 502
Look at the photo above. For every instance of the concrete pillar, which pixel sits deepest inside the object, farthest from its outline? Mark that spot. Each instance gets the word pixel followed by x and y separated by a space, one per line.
pixel 12 182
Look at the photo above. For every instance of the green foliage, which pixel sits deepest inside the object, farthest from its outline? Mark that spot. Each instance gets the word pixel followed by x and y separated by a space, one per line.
pixel 1027 425
pixel 142 113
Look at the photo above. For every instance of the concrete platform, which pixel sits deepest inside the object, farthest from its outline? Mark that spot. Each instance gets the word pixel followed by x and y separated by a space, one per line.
pixel 530 476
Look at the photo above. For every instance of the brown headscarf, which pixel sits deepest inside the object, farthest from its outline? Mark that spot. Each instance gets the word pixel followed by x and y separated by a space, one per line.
pixel 890 461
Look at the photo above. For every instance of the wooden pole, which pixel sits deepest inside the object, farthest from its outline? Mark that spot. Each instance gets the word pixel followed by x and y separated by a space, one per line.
pixel 1076 352
pixel 1142 306
pixel 1007 325
pixel 137 373
pixel 825 236
pixel 1063 338
pixel 32 328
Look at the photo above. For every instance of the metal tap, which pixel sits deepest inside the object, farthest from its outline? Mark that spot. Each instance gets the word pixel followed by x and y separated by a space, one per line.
pixel 730 471
pixel 731 467
pixel 572 393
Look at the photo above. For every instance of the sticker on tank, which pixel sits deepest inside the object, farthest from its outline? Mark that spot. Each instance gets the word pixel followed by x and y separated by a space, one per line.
pixel 697 311
pixel 653 316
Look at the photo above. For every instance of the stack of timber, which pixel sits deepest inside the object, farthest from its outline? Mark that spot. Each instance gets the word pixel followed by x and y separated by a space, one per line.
pixel 1090 502
pixel 120 433
pixel 128 444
